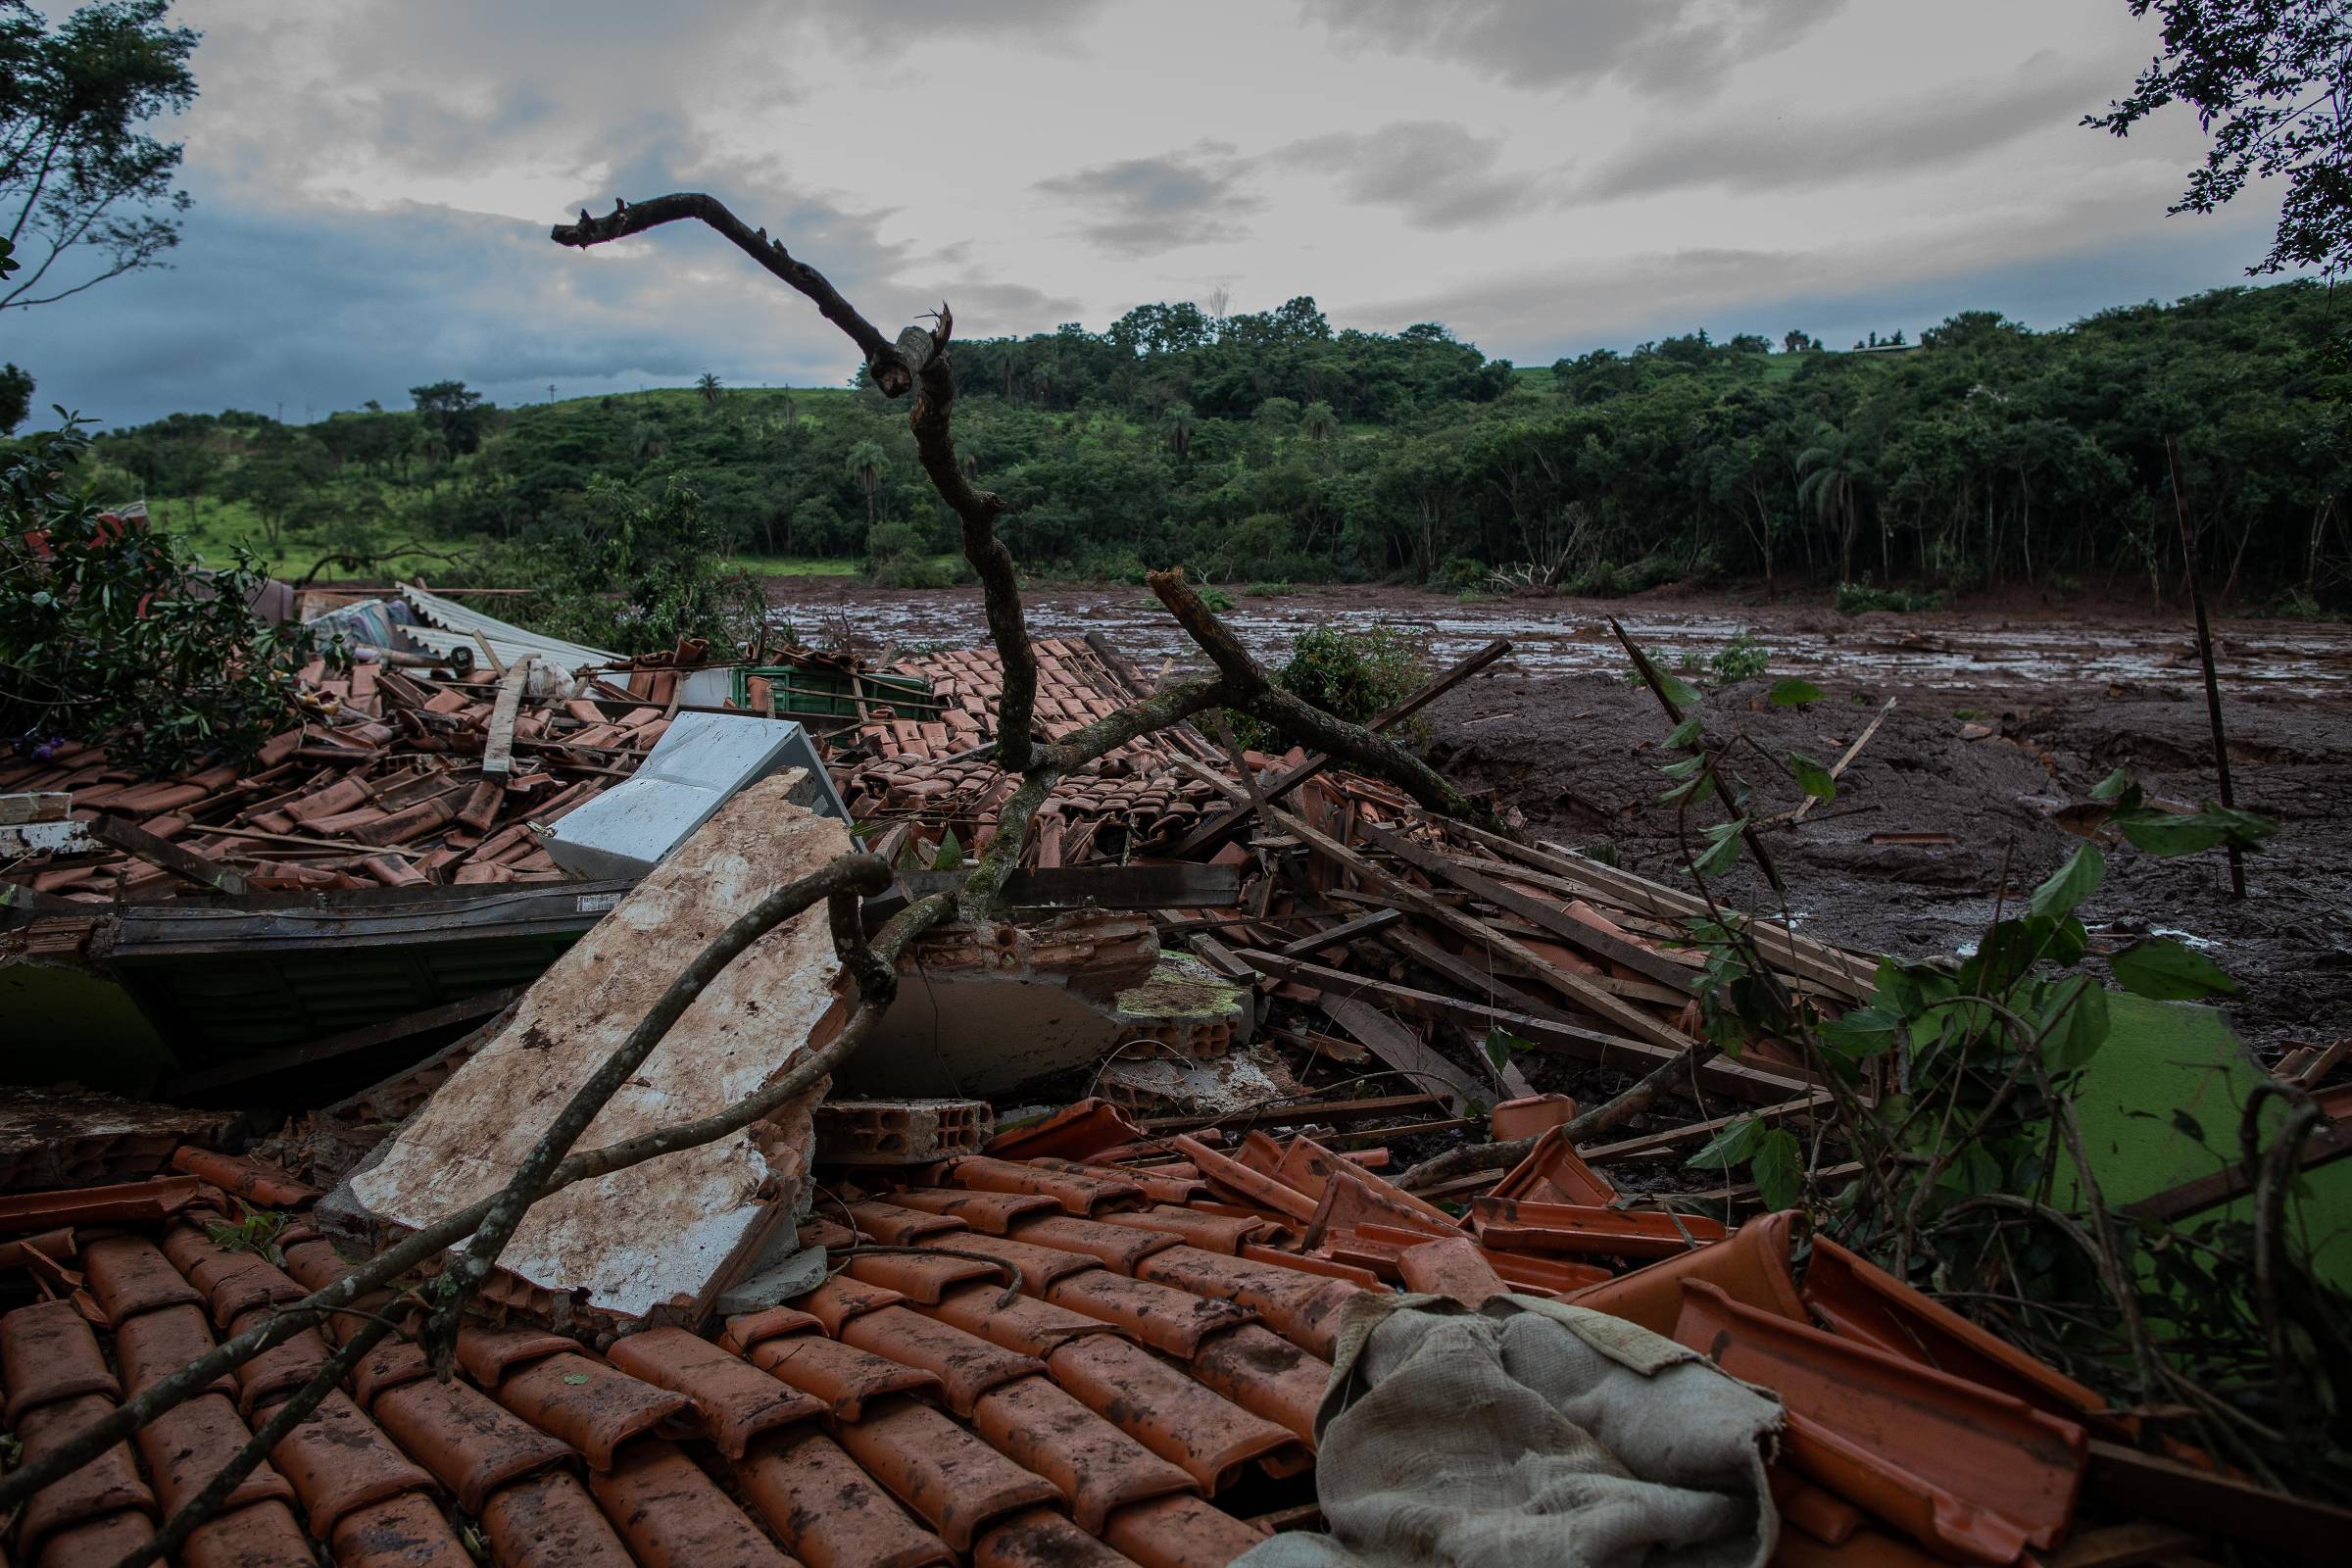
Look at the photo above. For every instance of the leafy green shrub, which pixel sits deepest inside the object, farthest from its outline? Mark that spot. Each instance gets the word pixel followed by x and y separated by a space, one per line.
pixel 663 560
pixel 1859 598
pixel 1458 574
pixel 1744 658
pixel 913 572
pixel 110 633
pixel 1271 590
pixel 1354 674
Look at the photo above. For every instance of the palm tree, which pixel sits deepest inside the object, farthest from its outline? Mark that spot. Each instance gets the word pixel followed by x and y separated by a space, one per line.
pixel 1177 427
pixel 711 388
pixel 864 465
pixel 1319 425
pixel 1831 474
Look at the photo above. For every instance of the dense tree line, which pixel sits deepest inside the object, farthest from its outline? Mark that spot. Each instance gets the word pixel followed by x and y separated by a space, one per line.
pixel 1265 447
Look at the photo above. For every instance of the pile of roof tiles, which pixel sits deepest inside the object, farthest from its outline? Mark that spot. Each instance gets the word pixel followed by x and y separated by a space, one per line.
pixel 892 769
pixel 380 785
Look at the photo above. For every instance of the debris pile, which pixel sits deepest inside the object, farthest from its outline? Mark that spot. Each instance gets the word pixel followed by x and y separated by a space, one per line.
pixel 1101 1248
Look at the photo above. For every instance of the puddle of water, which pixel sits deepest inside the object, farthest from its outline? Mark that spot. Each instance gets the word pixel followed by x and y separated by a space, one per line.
pixel 1947 654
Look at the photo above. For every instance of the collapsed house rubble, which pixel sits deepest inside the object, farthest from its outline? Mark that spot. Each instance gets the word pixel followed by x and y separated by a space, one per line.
pixel 1064 1267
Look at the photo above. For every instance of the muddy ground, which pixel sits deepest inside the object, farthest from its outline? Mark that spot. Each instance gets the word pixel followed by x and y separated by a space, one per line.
pixel 2063 694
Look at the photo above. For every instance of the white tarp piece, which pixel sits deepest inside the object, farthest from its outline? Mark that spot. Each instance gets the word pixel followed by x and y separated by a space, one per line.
pixel 448 624
pixel 700 763
pixel 1529 1432
pixel 664 1238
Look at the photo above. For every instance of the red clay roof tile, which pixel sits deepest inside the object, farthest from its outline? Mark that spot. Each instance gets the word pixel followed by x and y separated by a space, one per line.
pixel 589 1404
pixel 109 1484
pixel 470 1444
pixel 261 1536
pixel 901 1227
pixel 1752 1268
pixel 155 1345
pixel 746 1331
pixel 128 1275
pixel 1041 1538
pixel 338 1461
pixel 993 1213
pixel 1024 1323
pixel 277 1371
pixel 841 1297
pixel 1302 1308
pixel 1961 1467
pixel 264 1185
pixel 488 1354
pixel 405 1532
pixel 1035 1267
pixel 99 1542
pixel 231 1282
pixel 1266 1375
pixel 1160 1315
pixel 48 1354
pixel 1208 1437
pixel 1215 1233
pixel 671 1516
pixel 1073 1132
pixel 1096 1466
pixel 733 1401
pixel 965 1364
pixel 189 1444
pixel 950 1478
pixel 922 1279
pixel 1120 1246
pixel 1078 1191
pixel 843 1376
pixel 549 1521
pixel 1180 1533
pixel 1527 1226
pixel 828 1512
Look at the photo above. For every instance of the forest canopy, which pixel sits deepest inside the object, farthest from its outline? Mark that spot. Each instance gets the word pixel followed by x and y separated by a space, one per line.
pixel 1271 447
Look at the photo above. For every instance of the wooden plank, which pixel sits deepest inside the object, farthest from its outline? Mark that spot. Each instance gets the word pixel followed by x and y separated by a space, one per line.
pixel 1341 934
pixel 1403 1051
pixel 262 1062
pixel 1696 1132
pixel 1750 1084
pixel 2218 1504
pixel 1141 886
pixel 1570 930
pixel 132 839
pixel 498 745
pixel 1219 824
pixel 1591 998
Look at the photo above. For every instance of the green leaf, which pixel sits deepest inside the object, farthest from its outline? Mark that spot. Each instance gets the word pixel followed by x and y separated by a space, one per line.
pixel 575 1379
pixel 2112 786
pixel 1686 768
pixel 950 853
pixel 2170 833
pixel 1502 1045
pixel 1720 853
pixel 1862 1032
pixel 2070 883
pixel 1793 693
pixel 1686 734
pixel 1778 1168
pixel 1731 1145
pixel 1811 777
pixel 2169 971
pixel 1679 692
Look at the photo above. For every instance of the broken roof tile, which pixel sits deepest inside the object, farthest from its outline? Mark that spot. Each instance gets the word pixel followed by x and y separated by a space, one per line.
pixel 734 1402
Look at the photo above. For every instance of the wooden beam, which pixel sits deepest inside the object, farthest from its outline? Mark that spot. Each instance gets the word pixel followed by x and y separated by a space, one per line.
pixel 498 745
pixel 1341 934
pixel 1403 1051
pixel 1570 930
pixel 1218 824
pixel 1750 1084
pixel 1697 1131
pixel 134 840
pixel 1143 885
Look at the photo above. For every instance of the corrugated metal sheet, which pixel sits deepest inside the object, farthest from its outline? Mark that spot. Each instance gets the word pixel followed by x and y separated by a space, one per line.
pixel 452 625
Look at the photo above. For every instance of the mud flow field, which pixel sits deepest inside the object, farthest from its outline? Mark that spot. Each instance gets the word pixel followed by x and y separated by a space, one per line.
pixel 2002 719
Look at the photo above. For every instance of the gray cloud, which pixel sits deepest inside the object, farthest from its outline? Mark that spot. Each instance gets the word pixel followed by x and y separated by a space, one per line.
pixel 1653 45
pixel 1437 174
pixel 1944 126
pixel 889 25
pixel 1139 206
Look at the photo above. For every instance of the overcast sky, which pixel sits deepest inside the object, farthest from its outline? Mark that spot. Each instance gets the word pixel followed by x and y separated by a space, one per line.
pixel 375 180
